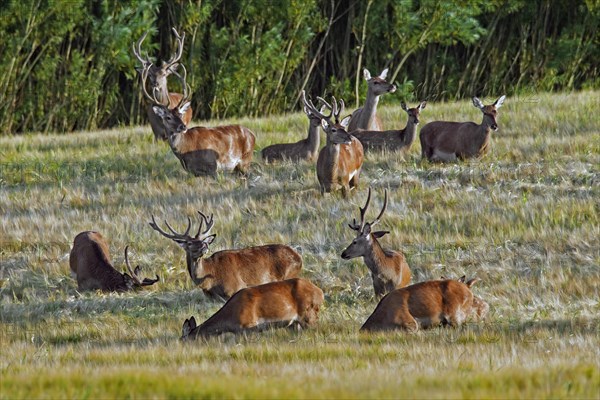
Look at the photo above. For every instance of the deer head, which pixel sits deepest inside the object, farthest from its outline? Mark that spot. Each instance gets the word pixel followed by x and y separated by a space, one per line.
pixel 413 113
pixel 194 246
pixel 336 129
pixel 377 84
pixel 158 75
pixel 365 236
pixel 490 111
pixel 132 279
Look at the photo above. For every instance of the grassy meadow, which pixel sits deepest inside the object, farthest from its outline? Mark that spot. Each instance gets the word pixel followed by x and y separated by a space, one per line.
pixel 524 219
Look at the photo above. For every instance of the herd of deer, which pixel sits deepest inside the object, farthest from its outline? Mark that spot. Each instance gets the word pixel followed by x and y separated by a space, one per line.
pixel 260 284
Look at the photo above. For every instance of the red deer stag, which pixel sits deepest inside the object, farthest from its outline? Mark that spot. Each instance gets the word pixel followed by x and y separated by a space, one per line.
pixel 340 161
pixel 201 150
pixel 425 305
pixel 275 304
pixel 305 149
pixel 365 117
pixel 448 141
pixel 91 266
pixel 389 269
pixel 158 84
pixel 227 271
pixel 393 140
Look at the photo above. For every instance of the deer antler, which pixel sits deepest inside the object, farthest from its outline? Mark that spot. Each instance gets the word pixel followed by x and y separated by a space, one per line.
pixel 177 56
pixel 134 275
pixel 137 51
pixel 145 72
pixel 185 87
pixel 363 211
pixel 185 236
pixel 311 107
pixel 385 201
pixel 209 224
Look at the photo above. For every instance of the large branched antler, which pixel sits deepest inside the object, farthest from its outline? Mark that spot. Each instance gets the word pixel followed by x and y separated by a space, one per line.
pixel 174 235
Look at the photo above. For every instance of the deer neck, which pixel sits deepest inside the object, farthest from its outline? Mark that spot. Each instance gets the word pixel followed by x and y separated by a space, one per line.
pixel 162 92
pixel 375 257
pixel 196 269
pixel 410 131
pixel 314 139
pixel 367 115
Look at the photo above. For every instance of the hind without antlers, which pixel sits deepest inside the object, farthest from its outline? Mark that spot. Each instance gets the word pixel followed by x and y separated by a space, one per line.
pixel 227 271
pixel 389 269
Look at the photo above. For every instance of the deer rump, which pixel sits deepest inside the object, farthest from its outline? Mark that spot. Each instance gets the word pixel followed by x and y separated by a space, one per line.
pixel 271 305
pixel 422 305
pixel 204 150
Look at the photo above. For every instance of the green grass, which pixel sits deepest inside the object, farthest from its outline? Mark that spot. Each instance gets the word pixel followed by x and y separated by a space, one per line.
pixel 525 219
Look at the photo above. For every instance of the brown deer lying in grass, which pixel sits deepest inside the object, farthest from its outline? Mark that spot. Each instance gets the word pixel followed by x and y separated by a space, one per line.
pixel 91 266
pixel 305 149
pixel 204 151
pixel 392 140
pixel 426 305
pixel 275 304
pixel 366 116
pixel 389 269
pixel 158 83
pixel 449 141
pixel 340 161
pixel 227 271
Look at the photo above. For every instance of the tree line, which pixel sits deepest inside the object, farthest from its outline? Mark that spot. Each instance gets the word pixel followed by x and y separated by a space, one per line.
pixel 68 65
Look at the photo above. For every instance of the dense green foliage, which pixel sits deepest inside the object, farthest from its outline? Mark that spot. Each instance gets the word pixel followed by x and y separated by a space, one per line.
pixel 67 65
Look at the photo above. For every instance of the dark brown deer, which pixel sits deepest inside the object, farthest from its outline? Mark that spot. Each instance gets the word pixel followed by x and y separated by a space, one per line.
pixel 389 269
pixel 448 141
pixel 392 140
pixel 425 305
pixel 201 150
pixel 366 116
pixel 227 271
pixel 157 77
pixel 275 304
pixel 340 161
pixel 91 266
pixel 306 149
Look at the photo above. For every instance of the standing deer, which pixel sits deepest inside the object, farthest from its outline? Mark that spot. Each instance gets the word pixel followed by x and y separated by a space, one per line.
pixel 158 84
pixel 389 269
pixel 340 161
pixel 448 141
pixel 201 150
pixel 274 304
pixel 227 271
pixel 393 140
pixel 424 305
pixel 305 149
pixel 91 266
pixel 365 117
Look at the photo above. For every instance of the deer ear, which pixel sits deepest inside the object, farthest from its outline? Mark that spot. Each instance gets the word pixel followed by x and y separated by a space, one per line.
pixel 366 74
pixel 499 102
pixel 137 270
pixel 209 239
pixel 477 103
pixel 186 329
pixel 345 122
pixel 184 108
pixel 384 73
pixel 160 111
pixel 462 278
pixel 471 282
pixel 193 322
pixel 422 105
pixel 173 68
pixel 403 105
pixel 324 125
pixel 379 234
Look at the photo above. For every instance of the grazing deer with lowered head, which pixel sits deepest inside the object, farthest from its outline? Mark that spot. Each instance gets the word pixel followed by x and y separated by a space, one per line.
pixel 227 271
pixel 340 161
pixel 201 150
pixel 448 141
pixel 305 149
pixel 389 269
pixel 275 304
pixel 392 140
pixel 424 305
pixel 158 84
pixel 91 266
pixel 365 117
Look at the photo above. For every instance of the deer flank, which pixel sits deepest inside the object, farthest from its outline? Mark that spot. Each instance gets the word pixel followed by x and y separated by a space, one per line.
pixel 424 305
pixel 157 77
pixel 366 116
pixel 225 272
pixel 448 141
pixel 392 140
pixel 389 269
pixel 275 304
pixel 91 266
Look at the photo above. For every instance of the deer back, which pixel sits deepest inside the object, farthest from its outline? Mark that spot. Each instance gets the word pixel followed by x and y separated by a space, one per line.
pixel 423 305
pixel 273 304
